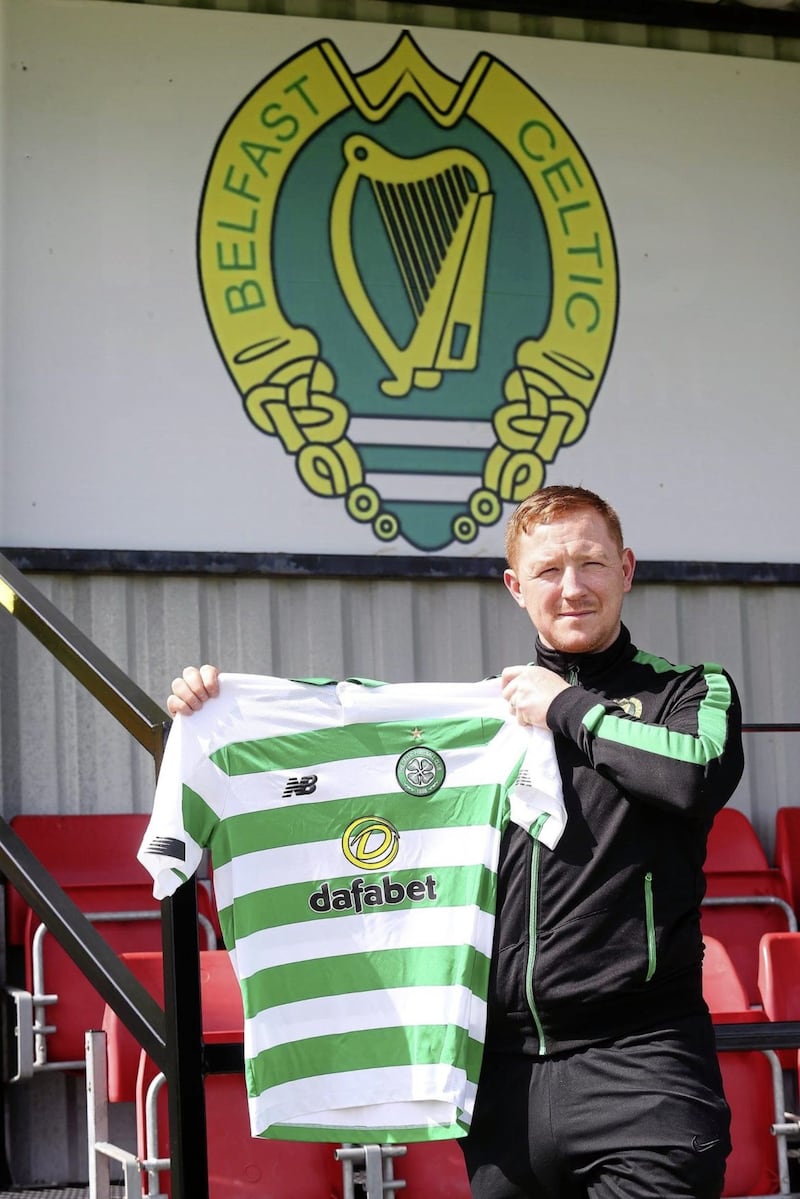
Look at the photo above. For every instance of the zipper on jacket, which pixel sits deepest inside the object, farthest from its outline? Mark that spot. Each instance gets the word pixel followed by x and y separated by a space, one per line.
pixel 572 676
pixel 650 924
pixel 532 922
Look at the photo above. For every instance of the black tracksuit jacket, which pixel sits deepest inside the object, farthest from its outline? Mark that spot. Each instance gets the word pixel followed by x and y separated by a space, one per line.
pixel 600 937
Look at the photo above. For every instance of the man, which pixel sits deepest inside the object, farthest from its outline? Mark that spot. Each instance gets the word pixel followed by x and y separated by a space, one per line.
pixel 600 1077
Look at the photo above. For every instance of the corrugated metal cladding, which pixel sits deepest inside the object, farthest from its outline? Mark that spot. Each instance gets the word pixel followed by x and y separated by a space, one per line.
pixel 615 33
pixel 62 752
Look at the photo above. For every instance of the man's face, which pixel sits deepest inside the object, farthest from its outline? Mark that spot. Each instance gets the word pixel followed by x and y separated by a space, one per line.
pixel 570 578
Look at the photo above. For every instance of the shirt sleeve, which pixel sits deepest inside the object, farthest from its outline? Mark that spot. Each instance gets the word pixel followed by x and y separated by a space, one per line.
pixel 690 761
pixel 185 807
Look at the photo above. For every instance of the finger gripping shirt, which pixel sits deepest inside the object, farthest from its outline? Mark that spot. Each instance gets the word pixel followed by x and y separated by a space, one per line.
pixel 354 832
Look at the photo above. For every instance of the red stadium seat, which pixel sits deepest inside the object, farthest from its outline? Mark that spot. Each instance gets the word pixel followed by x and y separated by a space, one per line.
pixel 80 851
pixel 733 844
pixel 758 1163
pixel 723 989
pixel 240 1166
pixel 779 983
pixel 754 1165
pixel 93 858
pixel 222 1016
pixel 739 909
pixel 787 850
pixel 779 975
pixel 64 1001
pixel 745 897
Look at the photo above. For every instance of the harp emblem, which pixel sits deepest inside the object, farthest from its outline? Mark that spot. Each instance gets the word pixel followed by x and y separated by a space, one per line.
pixel 436 213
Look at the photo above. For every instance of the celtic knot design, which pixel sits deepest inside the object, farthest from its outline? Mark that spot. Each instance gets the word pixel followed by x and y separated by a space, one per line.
pixel 297 404
pixel 538 416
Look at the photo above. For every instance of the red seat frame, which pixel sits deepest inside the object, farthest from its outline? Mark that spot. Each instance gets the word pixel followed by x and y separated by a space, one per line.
pixel 752 1083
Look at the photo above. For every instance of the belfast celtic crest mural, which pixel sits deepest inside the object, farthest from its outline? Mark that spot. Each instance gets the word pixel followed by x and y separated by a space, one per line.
pixel 412 282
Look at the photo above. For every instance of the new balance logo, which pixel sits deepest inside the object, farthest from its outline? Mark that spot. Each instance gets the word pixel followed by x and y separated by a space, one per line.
pixel 305 785
pixel 168 847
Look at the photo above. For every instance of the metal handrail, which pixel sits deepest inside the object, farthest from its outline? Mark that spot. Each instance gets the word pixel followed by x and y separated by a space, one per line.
pixel 101 677
pixel 176 1045
pixel 82 942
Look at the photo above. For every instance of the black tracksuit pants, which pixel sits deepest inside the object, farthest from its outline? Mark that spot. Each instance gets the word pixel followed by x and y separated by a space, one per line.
pixel 642 1118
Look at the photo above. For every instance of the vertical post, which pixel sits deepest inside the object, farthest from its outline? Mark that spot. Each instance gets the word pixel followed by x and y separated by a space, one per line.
pixel 184 1037
pixel 97 1114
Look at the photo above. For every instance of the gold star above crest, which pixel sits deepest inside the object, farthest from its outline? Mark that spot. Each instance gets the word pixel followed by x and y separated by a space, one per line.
pixel 416 734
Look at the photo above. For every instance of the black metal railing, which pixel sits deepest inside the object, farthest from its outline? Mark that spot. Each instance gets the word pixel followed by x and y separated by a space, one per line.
pixel 172 1036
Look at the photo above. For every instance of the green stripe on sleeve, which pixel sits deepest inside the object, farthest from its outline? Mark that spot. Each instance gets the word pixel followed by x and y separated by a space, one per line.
pixel 705 746
pixel 199 819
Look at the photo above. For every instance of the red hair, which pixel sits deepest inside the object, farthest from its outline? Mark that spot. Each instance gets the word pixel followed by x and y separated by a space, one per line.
pixel 554 503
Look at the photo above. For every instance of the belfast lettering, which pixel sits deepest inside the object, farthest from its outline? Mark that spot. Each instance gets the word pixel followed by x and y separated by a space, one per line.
pixel 235 253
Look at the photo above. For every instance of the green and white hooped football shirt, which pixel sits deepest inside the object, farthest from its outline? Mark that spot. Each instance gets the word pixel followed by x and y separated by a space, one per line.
pixel 354 831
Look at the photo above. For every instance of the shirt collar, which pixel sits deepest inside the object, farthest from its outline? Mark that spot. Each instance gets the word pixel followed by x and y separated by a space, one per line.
pixel 588 666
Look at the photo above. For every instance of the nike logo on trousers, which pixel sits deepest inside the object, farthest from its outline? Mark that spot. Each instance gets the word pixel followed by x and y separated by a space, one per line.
pixel 701 1146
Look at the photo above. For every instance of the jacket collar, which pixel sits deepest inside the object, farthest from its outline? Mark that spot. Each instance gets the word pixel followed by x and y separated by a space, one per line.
pixel 588 666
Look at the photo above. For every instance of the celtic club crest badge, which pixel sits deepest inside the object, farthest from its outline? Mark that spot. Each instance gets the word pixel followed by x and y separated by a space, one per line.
pixel 412 283
pixel 420 771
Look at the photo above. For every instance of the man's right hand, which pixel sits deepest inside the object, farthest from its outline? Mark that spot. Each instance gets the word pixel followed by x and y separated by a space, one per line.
pixel 530 690
pixel 191 690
